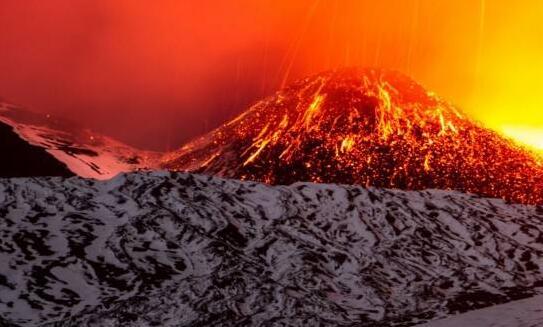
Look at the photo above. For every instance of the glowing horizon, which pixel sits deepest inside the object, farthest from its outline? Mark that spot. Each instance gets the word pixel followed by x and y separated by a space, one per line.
pixel 179 68
pixel 526 135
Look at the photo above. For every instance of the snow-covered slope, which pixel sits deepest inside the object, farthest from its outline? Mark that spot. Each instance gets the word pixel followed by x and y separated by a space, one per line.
pixel 84 152
pixel 523 313
pixel 176 249
pixel 21 159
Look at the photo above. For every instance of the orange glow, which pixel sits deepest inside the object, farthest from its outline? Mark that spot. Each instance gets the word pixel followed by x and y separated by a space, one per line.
pixel 483 55
pixel 184 67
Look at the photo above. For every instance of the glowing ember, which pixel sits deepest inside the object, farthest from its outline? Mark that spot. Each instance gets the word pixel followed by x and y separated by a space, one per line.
pixel 370 127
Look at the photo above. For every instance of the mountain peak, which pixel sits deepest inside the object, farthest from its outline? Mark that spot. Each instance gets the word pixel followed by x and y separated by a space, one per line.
pixel 364 126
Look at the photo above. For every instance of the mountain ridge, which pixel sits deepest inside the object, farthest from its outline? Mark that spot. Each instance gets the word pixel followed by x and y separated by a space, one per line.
pixel 72 149
pixel 369 127
pixel 177 249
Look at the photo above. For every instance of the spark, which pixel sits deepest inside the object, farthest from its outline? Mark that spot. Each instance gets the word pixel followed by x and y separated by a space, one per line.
pixel 347 144
pixel 427 163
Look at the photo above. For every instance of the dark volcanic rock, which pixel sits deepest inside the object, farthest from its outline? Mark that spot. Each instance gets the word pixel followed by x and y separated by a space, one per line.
pixel 21 159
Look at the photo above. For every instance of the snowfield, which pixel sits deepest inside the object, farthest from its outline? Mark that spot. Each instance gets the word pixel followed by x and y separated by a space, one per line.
pixel 84 152
pixel 177 249
pixel 523 313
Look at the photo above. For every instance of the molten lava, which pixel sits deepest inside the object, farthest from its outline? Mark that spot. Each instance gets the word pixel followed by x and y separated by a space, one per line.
pixel 365 126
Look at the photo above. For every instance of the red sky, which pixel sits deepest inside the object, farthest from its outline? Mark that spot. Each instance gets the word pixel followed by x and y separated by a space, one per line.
pixel 155 73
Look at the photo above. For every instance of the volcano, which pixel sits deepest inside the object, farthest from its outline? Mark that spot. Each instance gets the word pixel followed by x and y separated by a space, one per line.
pixel 369 127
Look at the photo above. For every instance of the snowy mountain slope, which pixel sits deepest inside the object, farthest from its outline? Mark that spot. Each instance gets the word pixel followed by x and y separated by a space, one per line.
pixel 85 153
pixel 523 313
pixel 176 249
pixel 22 159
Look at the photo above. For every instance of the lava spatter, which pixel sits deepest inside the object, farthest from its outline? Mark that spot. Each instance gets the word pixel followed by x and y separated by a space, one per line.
pixel 365 126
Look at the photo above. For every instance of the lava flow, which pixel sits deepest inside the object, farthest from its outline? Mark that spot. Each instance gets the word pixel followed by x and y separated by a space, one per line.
pixel 370 127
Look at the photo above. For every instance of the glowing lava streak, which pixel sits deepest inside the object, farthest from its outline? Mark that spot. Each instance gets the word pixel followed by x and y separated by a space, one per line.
pixel 312 111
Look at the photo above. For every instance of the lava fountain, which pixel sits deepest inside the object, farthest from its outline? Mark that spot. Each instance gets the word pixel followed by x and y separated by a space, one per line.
pixel 365 126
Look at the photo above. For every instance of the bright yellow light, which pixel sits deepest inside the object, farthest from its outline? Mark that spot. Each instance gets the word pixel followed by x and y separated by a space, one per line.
pixel 530 136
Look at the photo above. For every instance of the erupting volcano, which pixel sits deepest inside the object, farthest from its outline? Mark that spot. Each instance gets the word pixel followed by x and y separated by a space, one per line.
pixel 365 126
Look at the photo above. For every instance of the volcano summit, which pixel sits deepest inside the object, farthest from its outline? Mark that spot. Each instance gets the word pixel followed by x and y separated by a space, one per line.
pixel 369 127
